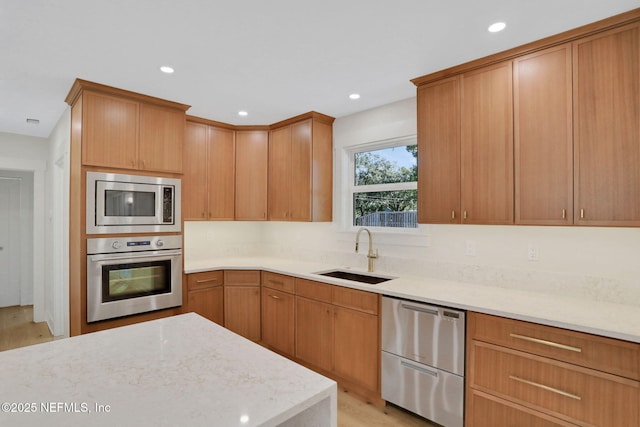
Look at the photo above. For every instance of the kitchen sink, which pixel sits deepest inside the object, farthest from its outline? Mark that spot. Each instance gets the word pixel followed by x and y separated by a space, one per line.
pixel 355 277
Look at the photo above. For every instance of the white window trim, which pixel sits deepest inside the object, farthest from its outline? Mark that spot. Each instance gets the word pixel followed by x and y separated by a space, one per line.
pixel 348 170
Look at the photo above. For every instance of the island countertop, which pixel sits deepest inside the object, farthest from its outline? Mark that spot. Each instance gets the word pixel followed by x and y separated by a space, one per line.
pixel 563 311
pixel 177 371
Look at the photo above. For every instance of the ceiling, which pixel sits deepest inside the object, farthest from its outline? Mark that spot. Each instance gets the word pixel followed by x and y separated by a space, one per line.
pixel 275 59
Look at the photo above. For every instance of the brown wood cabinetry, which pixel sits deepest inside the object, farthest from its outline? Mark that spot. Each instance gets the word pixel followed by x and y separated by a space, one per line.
pixel 337 330
pixel 301 169
pixel 571 129
pixel 543 137
pixel 544 376
pixel 251 175
pixel 487 145
pixel 439 152
pixel 208 183
pixel 242 303
pixel 278 312
pixel 125 130
pixel 606 83
pixel 205 295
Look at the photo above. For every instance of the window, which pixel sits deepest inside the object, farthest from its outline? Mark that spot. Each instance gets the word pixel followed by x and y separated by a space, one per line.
pixel 384 185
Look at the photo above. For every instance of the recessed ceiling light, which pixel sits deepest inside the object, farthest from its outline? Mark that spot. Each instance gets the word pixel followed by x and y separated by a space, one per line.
pixel 243 113
pixel 166 69
pixel 498 26
pixel 354 96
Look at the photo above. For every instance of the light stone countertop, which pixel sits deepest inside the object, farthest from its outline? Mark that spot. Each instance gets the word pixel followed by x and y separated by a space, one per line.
pixel 178 371
pixel 595 317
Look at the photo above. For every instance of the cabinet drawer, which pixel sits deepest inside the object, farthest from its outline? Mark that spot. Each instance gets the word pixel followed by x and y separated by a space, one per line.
pixel 313 290
pixel 559 389
pixel 242 277
pixel 278 281
pixel 604 354
pixel 355 299
pixel 486 410
pixel 203 280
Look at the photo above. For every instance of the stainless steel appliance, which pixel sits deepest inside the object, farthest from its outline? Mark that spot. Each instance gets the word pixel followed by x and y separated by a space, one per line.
pixel 129 275
pixel 118 203
pixel 423 359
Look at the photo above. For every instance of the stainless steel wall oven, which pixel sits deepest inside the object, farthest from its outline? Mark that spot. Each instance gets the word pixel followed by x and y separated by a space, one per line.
pixel 130 275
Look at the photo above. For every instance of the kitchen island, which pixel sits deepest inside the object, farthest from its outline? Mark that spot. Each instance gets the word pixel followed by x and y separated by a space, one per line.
pixel 177 371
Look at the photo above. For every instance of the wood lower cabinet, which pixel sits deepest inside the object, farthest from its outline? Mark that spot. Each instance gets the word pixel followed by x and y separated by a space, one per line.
pixel 205 295
pixel 278 316
pixel 208 183
pixel 337 330
pixel 242 303
pixel 543 376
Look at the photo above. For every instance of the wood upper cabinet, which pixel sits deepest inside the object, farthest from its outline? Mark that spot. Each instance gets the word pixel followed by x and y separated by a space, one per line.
pixel 439 152
pixel 161 138
pixel 543 137
pixel 606 90
pixel 251 175
pixel 487 145
pixel 301 169
pixel 208 183
pixel 125 130
pixel 242 303
pixel 109 131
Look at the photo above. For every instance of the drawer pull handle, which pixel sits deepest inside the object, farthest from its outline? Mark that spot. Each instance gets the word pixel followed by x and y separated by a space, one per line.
pixel 544 342
pixel 546 387
pixel 206 280
pixel 419 369
pixel 419 309
pixel 274 296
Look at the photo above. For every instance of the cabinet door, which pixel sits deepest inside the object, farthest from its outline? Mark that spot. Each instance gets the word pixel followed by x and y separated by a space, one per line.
pixel 356 347
pixel 439 152
pixel 314 333
pixel 221 173
pixel 194 182
pixel 242 310
pixel 251 175
pixel 606 79
pixel 543 138
pixel 161 139
pixel 279 173
pixel 300 189
pixel 109 131
pixel 278 320
pixel 208 302
pixel 487 145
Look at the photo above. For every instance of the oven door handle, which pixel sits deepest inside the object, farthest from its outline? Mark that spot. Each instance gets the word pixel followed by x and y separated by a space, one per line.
pixel 125 256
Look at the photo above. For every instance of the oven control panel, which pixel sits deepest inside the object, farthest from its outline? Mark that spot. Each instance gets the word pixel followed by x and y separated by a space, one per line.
pixel 105 245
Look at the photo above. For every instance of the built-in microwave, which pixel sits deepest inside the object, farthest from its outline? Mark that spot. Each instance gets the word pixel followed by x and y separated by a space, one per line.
pixel 118 203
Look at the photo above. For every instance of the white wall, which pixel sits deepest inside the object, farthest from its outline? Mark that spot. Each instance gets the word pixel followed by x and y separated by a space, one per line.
pixel 24 153
pixel 590 262
pixel 56 291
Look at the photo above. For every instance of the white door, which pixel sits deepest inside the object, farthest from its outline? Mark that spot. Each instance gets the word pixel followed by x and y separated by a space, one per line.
pixel 9 242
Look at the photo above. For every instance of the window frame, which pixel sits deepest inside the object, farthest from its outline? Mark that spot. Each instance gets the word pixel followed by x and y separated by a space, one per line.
pixel 352 188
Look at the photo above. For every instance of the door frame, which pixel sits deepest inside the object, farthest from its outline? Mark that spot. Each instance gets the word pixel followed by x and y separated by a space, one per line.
pixel 39 170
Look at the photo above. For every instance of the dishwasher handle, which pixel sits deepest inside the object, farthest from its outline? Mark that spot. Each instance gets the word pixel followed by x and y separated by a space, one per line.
pixel 420 309
pixel 419 369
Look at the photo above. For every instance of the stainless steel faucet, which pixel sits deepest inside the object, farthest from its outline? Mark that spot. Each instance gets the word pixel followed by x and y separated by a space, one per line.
pixel 370 255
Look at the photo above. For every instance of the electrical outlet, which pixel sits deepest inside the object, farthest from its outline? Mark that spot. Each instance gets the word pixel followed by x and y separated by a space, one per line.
pixel 470 248
pixel 533 253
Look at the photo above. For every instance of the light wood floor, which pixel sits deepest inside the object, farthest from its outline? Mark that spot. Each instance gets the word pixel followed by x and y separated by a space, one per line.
pixel 17 329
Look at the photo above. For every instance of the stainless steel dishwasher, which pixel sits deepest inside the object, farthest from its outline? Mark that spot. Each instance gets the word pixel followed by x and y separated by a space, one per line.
pixel 423 359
